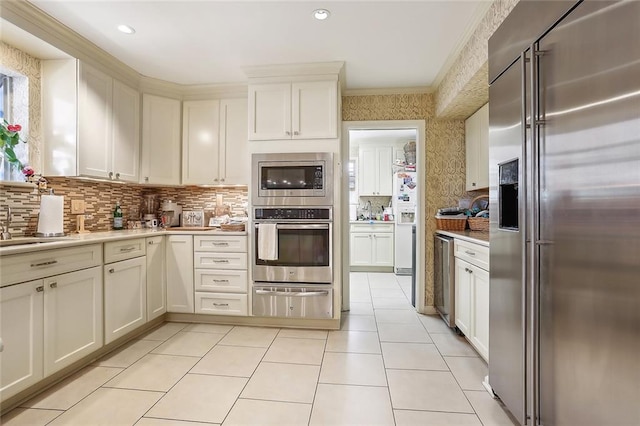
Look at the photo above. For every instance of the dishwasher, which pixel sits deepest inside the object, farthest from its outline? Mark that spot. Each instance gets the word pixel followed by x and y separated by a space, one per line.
pixel 443 275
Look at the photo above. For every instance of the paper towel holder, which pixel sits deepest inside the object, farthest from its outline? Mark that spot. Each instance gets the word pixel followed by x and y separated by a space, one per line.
pixel 49 234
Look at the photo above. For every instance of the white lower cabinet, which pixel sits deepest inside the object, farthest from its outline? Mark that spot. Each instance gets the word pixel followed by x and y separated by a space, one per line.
pixel 371 245
pixel 179 267
pixel 156 278
pixel 125 297
pixel 21 335
pixel 221 278
pixel 472 294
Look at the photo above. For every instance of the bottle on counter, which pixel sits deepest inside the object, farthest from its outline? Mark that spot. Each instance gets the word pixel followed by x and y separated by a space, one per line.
pixel 117 217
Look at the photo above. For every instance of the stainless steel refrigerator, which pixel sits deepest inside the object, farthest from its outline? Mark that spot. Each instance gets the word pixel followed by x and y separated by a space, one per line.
pixel 564 112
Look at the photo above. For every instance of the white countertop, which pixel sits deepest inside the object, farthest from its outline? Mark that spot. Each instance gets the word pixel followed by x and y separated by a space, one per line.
pixel 101 237
pixel 478 237
pixel 372 222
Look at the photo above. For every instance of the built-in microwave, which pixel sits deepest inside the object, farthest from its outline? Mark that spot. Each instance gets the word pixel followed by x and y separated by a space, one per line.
pixel 292 179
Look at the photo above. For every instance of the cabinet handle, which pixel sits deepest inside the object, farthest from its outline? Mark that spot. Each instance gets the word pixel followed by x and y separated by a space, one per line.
pixel 215 180
pixel 150 243
pixel 40 288
pixel 470 253
pixel 220 304
pixel 146 178
pixel 111 271
pixel 288 133
pixel 221 179
pixel 127 249
pixel 220 281
pixel 50 262
pixel 117 175
pixel 221 261
pixel 53 285
pixel 296 133
pixel 224 244
pixel 110 175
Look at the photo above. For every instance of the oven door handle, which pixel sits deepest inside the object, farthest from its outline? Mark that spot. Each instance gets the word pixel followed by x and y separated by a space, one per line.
pixel 294 294
pixel 304 226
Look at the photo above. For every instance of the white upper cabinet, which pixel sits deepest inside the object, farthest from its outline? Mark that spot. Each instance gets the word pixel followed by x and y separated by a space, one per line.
pixel 295 110
pixel 214 142
pixel 103 140
pixel 375 175
pixel 160 140
pixel 477 146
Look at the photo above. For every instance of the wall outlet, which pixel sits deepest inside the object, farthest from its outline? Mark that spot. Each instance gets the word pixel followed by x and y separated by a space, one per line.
pixel 77 206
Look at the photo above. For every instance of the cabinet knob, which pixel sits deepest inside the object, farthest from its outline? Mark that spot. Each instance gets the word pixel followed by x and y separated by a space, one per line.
pixel 288 133
pixel 53 285
pixel 296 133
pixel 40 288
pixel 110 175
pixel 146 178
pixel 221 179
pixel 473 184
pixel 215 180
pixel 117 175
pixel 111 271
pixel 150 243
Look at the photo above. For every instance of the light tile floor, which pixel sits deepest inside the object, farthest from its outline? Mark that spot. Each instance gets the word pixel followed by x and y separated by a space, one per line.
pixel 387 365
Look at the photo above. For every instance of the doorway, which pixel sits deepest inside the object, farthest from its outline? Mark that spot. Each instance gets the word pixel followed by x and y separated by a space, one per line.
pixel 364 141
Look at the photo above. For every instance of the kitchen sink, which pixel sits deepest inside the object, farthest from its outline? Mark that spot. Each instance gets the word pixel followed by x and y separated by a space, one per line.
pixel 31 240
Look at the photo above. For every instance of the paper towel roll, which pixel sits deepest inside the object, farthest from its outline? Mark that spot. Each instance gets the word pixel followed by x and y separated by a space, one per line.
pixel 51 218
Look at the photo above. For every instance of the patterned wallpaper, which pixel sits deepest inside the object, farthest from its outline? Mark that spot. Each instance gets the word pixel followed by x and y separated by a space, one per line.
pixel 101 197
pixel 465 87
pixel 27 97
pixel 445 154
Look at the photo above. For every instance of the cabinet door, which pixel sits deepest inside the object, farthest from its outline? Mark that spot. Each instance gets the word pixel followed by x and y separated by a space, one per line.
pixel 200 142
pixel 361 249
pixel 125 297
pixel 160 140
pixel 384 160
pixel 368 172
pixel 72 317
pixel 126 133
pixel 477 149
pixel 179 267
pixel 382 252
pixel 156 278
pixel 270 111
pixel 94 123
pixel 463 296
pixel 235 160
pixel 314 109
pixel 479 335
pixel 21 334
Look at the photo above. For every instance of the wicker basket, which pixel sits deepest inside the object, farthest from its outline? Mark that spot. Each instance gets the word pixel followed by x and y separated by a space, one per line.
pixel 453 224
pixel 481 206
pixel 232 227
pixel 478 223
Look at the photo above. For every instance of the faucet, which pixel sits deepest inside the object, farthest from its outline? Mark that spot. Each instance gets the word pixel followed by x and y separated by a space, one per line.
pixel 6 235
pixel 369 209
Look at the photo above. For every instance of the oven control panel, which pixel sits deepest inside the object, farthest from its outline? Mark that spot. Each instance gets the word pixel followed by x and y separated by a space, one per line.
pixel 271 213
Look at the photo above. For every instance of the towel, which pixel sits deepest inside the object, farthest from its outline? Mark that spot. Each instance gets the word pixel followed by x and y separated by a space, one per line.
pixel 267 241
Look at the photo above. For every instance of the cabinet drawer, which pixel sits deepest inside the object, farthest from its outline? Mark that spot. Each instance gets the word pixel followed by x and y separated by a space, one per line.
pixel 227 244
pixel 124 249
pixel 25 267
pixel 473 253
pixel 221 280
pixel 221 304
pixel 370 227
pixel 220 260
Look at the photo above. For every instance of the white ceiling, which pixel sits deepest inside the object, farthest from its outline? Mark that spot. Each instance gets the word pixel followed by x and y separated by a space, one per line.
pixel 385 44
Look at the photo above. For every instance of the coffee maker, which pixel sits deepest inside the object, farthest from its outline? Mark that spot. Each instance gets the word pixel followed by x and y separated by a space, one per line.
pixel 171 212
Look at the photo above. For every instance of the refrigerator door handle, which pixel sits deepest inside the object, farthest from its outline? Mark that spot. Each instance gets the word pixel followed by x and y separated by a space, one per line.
pixel 524 61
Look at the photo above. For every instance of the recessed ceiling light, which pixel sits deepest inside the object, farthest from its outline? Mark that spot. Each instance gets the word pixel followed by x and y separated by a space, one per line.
pixel 321 14
pixel 126 29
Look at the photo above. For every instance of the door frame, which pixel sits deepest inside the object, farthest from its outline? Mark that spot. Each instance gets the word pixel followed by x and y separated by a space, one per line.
pixel 420 127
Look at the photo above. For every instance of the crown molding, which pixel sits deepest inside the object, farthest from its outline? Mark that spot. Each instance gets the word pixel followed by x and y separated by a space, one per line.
pixel 289 70
pixel 28 17
pixel 209 91
pixel 388 91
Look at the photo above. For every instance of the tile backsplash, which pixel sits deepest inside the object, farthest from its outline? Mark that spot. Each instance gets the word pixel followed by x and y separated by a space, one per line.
pixel 100 199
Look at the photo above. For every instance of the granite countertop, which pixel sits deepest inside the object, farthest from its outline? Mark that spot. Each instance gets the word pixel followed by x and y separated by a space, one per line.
pixel 478 237
pixel 101 237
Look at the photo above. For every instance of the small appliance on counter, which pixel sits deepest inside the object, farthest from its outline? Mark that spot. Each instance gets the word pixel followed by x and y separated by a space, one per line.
pixel 171 213
pixel 149 209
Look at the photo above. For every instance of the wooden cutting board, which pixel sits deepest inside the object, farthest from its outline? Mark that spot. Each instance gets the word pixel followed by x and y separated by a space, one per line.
pixel 190 228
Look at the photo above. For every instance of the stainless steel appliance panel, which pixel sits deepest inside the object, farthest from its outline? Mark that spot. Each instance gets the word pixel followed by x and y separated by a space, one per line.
pixel 444 279
pixel 292 179
pixel 506 317
pixel 292 301
pixel 589 73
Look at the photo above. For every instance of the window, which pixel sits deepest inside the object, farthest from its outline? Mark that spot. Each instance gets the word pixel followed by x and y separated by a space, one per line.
pixel 8 112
